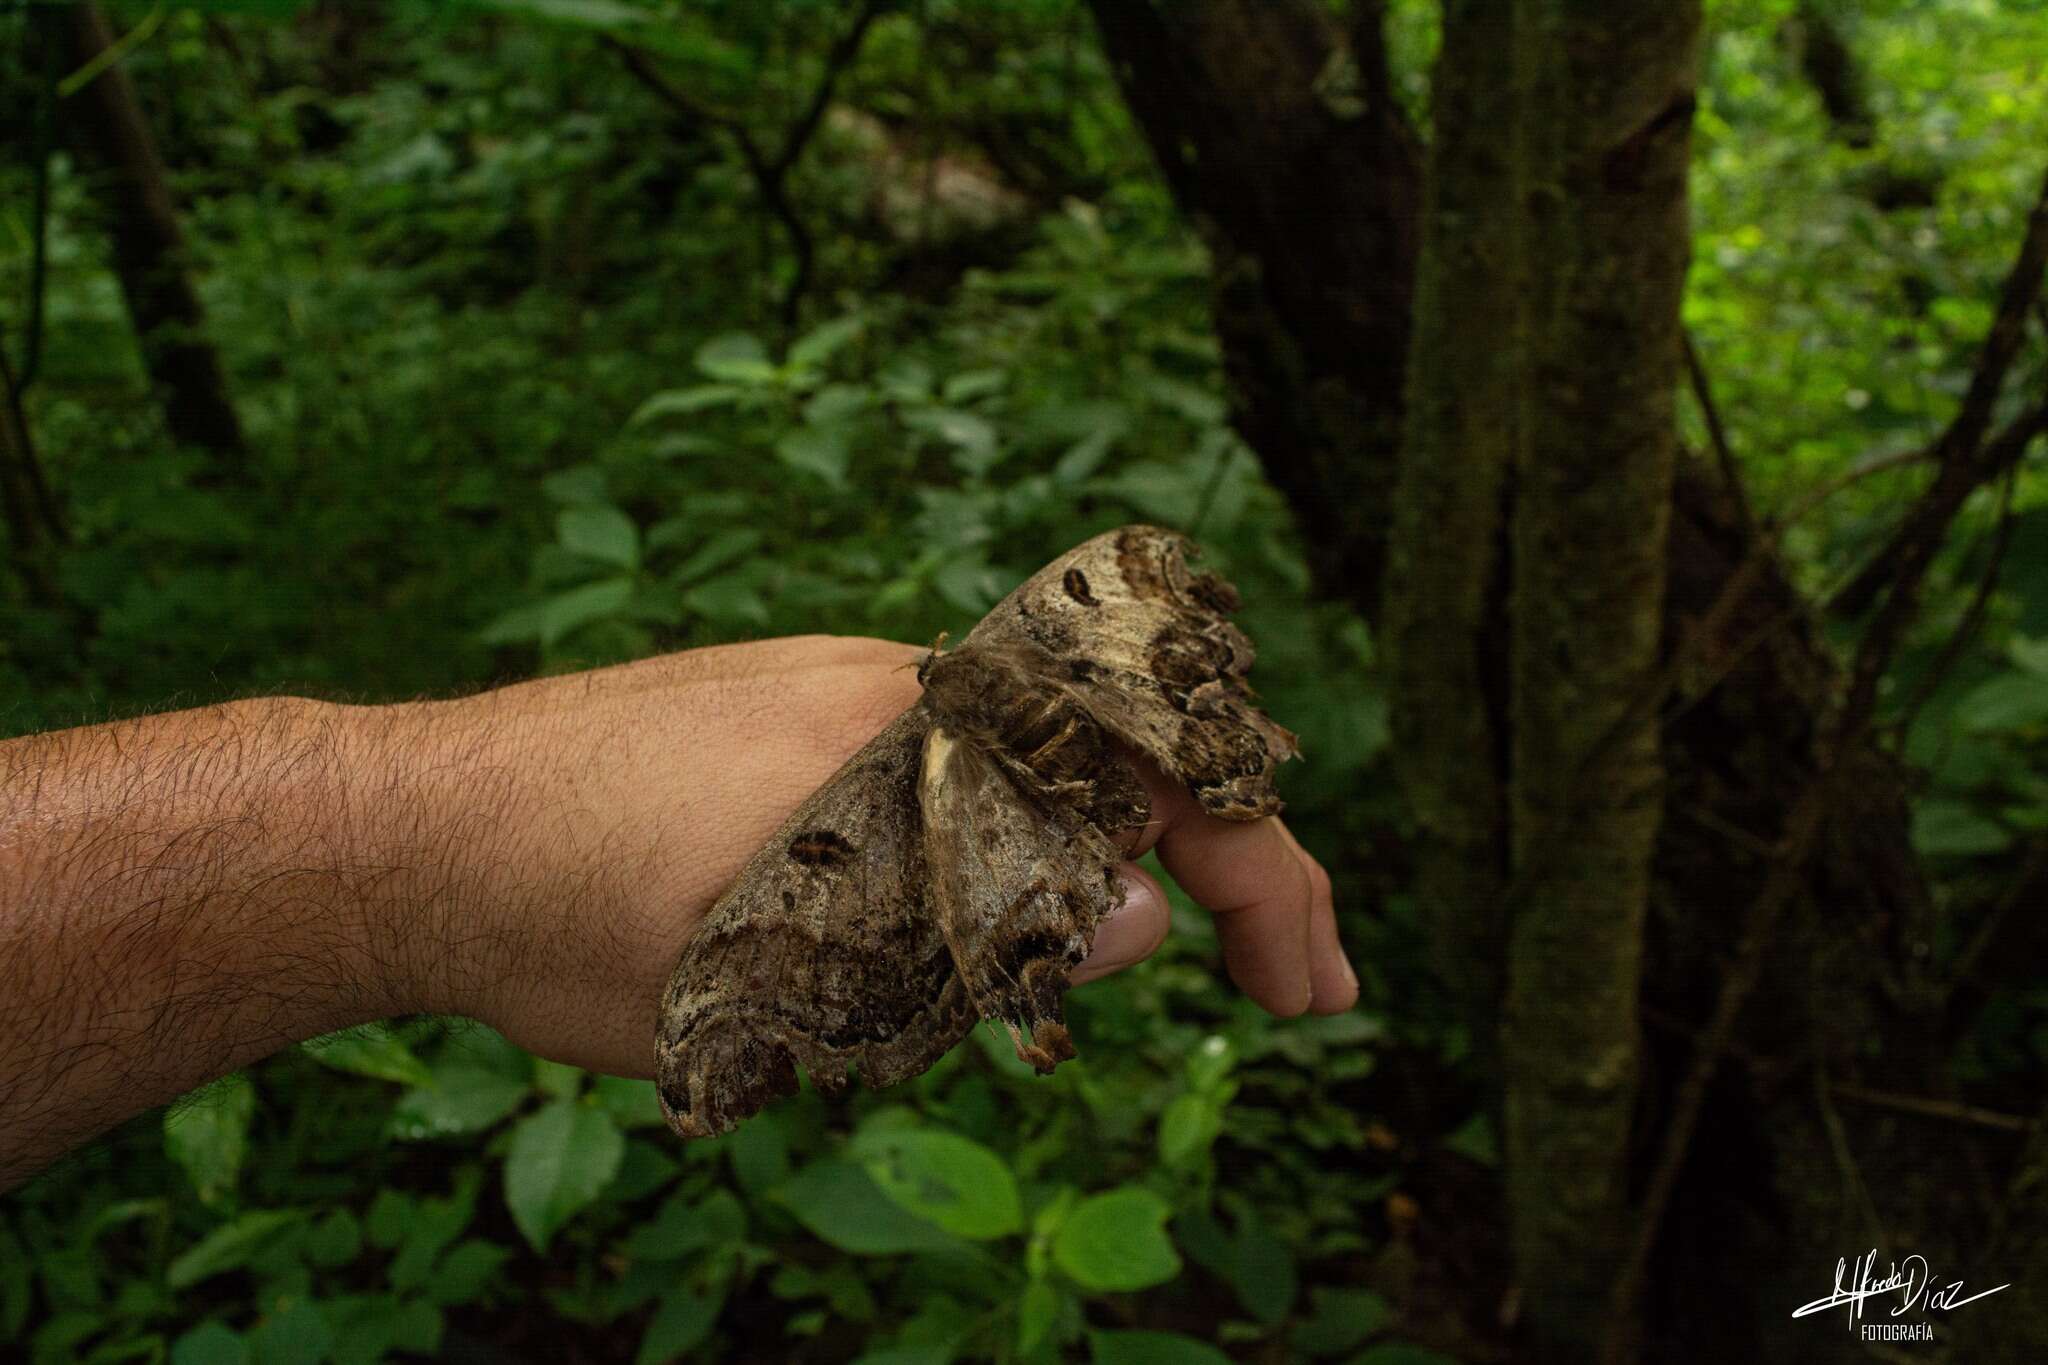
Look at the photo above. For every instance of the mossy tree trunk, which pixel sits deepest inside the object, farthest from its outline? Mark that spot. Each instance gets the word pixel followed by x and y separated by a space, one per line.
pixel 1596 210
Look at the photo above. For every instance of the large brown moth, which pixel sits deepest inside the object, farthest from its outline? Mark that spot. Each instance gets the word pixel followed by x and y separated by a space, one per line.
pixel 955 868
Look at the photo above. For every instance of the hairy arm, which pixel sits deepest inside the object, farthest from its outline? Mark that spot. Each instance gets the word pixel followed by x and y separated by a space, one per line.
pixel 183 894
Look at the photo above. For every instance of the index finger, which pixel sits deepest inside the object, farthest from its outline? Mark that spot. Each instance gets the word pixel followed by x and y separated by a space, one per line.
pixel 1274 913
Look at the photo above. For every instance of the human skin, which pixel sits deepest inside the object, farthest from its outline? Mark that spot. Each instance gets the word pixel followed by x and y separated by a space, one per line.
pixel 183 894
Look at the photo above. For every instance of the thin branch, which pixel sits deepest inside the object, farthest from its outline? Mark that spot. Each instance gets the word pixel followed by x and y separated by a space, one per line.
pixel 1813 497
pixel 1987 932
pixel 1934 1109
pixel 30 466
pixel 1647 702
pixel 52 57
pixel 836 62
pixel 1973 615
pixel 770 173
pixel 1845 1158
pixel 1959 445
pixel 1717 435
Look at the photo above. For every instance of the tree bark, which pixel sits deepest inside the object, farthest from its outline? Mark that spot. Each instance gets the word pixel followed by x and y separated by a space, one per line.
pixel 32 524
pixel 1444 620
pixel 1282 140
pixel 1597 206
pixel 106 124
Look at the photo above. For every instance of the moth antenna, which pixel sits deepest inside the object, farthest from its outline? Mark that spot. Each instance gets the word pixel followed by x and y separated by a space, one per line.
pixel 924 665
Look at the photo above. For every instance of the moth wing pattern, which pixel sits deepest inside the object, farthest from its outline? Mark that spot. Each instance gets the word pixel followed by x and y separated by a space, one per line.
pixel 1017 890
pixel 1147 645
pixel 823 953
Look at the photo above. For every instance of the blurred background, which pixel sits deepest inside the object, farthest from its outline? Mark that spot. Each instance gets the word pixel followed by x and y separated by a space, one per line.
pixel 373 349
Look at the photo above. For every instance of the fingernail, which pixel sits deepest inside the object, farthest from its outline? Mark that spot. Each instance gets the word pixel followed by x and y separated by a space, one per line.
pixel 1127 935
pixel 1349 975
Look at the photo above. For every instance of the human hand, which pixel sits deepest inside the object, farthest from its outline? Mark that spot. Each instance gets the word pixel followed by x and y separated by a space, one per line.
pixel 623 801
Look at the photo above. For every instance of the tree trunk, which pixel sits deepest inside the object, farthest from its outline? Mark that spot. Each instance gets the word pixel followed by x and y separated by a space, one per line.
pixel 1595 203
pixel 1532 412
pixel 1286 148
pixel 1445 618
pixel 107 126
pixel 32 524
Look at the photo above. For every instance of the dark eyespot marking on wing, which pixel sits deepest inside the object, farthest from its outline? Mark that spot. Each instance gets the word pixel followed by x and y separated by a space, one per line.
pixel 821 848
pixel 1076 584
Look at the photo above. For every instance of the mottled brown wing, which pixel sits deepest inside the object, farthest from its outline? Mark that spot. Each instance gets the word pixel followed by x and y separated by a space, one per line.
pixel 1018 887
pixel 1149 650
pixel 824 953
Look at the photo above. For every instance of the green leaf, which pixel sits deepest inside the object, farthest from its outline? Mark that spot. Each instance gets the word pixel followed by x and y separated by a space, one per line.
pixel 576 485
pixel 976 448
pixel 682 402
pixel 1118 1241
pixel 210 1343
pixel 371 1050
pixel 759 1150
pixel 17 1287
pixel 632 1104
pixel 1188 1127
pixel 2010 701
pixel 951 1180
pixel 558 1080
pixel 602 14
pixel 466 1272
pixel 598 532
pixel 1339 1321
pixel 207 1135
pixel 416 1328
pixel 335 1240
pixel 433 1225
pixel 1399 1353
pixel 390 1213
pixel 644 1169
pixel 922 1353
pixel 736 357
pixel 2030 655
pixel 1262 1272
pixel 728 545
pixel 578 607
pixel 299 1334
pixel 727 603
pixel 686 1316
pixel 823 451
pixel 973 384
pixel 685 1225
pixel 456 1099
pixel 840 1203
pixel 1086 455
pixel 1037 1309
pixel 228 1247
pixel 1474 1140
pixel 1199 406
pixel 559 1161
pixel 1151 1348
pixel 821 343
pixel 1950 827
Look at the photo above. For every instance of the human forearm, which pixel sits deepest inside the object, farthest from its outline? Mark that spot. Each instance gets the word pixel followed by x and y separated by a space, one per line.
pixel 183 894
